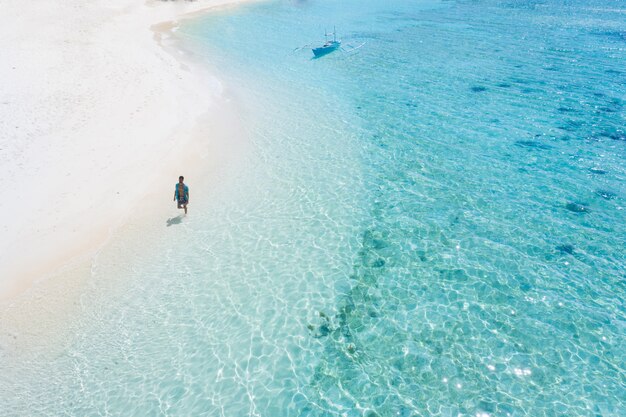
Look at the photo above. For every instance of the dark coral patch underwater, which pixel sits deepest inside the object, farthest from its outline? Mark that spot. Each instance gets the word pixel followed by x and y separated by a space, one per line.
pixel 532 144
pixel 566 249
pixel 577 208
pixel 607 195
pixel 598 171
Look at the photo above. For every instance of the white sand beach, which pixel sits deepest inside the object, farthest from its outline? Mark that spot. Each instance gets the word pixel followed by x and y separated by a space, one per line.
pixel 95 114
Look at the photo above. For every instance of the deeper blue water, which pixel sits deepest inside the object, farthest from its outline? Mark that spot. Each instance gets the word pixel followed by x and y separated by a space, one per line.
pixel 432 224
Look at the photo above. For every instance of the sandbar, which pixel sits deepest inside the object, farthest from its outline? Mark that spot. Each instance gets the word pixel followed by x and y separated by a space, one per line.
pixel 94 114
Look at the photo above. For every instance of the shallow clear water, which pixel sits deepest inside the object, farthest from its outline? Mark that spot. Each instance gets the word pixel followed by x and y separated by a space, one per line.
pixel 430 224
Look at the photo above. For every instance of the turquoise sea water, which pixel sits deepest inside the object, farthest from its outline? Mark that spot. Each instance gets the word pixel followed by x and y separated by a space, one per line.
pixel 432 224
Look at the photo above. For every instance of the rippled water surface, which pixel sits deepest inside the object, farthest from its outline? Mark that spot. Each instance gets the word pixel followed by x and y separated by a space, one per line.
pixel 430 221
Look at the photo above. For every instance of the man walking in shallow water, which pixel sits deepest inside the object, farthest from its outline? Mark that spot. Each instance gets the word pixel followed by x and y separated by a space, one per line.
pixel 181 193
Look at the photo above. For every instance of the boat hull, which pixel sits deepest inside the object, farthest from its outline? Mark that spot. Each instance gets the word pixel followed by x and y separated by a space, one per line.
pixel 326 49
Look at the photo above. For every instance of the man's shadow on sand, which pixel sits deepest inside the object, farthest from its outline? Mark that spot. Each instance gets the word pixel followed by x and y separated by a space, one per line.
pixel 174 220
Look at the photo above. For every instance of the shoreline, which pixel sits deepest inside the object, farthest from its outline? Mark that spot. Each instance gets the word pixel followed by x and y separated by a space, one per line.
pixel 100 139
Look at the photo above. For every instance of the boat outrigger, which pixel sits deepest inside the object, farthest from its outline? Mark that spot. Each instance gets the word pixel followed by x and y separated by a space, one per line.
pixel 329 46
